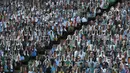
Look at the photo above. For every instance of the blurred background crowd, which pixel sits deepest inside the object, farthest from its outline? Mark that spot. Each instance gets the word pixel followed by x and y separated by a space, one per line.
pixel 65 36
